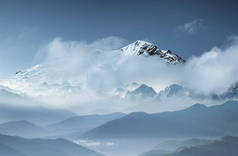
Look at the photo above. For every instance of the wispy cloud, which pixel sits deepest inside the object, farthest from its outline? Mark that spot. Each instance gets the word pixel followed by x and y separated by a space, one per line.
pixel 192 26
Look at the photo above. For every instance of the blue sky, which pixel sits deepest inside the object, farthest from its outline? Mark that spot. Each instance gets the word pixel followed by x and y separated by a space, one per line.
pixel 186 27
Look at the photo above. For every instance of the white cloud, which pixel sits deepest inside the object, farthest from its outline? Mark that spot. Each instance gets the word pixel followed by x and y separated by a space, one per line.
pixel 97 69
pixel 99 64
pixel 215 70
pixel 191 27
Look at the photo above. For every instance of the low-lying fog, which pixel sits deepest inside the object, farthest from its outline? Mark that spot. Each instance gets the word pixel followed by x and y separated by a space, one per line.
pixel 120 147
pixel 140 147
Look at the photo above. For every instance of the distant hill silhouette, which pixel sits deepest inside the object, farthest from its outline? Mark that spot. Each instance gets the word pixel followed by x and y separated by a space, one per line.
pixel 74 126
pixel 16 146
pixel 197 120
pixel 169 146
pixel 21 128
pixel 227 146
pixel 37 115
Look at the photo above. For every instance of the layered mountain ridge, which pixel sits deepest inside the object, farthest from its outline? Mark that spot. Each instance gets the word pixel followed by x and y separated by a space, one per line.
pixel 215 120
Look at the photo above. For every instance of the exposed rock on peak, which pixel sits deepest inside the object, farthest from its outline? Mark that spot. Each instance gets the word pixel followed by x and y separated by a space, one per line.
pixel 148 49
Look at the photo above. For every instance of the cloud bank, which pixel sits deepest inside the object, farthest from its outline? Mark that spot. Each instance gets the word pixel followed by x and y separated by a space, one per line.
pixel 215 70
pixel 84 76
pixel 100 66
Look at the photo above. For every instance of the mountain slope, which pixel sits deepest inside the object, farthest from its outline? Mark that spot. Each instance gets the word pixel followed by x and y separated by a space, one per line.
pixel 21 128
pixel 197 120
pixel 76 125
pixel 42 73
pixel 45 147
pixel 148 49
pixel 226 146
pixel 38 115
pixel 174 145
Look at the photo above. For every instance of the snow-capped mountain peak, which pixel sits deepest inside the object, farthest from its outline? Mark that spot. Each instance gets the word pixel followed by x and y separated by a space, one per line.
pixel 148 49
pixel 143 92
pixel 136 48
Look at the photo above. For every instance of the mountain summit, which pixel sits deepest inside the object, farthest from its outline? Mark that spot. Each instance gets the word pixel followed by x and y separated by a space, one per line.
pixel 142 92
pixel 148 49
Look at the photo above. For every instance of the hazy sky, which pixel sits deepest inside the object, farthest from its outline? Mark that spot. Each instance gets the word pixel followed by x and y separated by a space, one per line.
pixel 186 27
